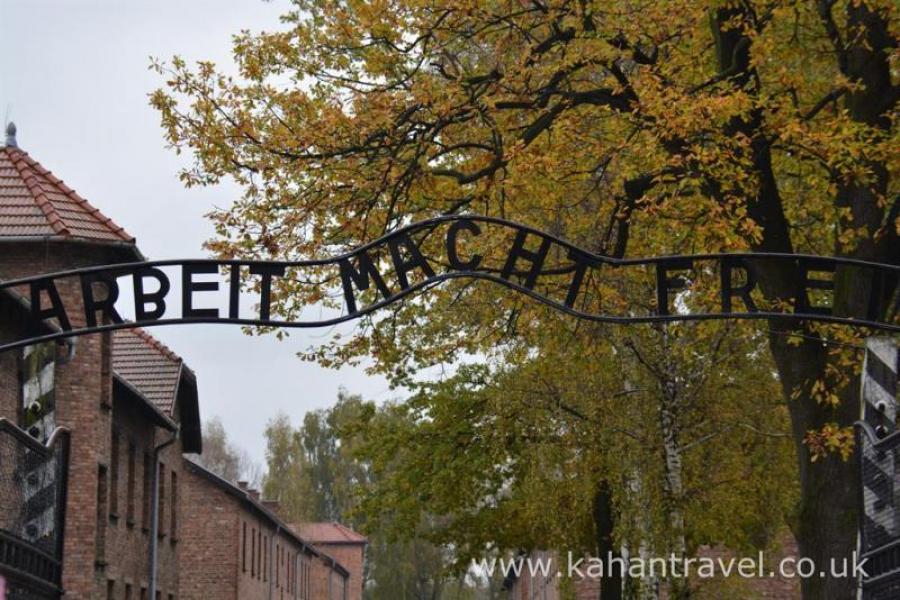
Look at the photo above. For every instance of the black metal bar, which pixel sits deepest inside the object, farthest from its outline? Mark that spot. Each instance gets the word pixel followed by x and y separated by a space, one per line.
pixel 22 437
pixel 103 273
pixel 428 223
pixel 63 489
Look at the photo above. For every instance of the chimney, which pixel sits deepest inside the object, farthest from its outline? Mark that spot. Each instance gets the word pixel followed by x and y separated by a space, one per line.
pixel 254 494
pixel 11 135
pixel 243 485
pixel 272 505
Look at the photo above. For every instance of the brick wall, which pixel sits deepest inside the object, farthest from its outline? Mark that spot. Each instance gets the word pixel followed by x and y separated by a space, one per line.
pixel 78 392
pixel 253 581
pixel 231 547
pixel 209 536
pixel 285 552
pixel 349 556
pixel 168 572
pixel 84 405
pixel 539 586
pixel 326 584
pixel 126 529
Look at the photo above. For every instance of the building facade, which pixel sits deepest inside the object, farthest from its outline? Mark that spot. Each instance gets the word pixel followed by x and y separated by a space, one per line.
pixel 45 227
pixel 246 552
pixel 155 419
pixel 120 513
pixel 344 545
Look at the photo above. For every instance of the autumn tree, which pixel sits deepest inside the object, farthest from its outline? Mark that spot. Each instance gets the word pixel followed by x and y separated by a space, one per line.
pixel 711 460
pixel 224 458
pixel 309 470
pixel 314 473
pixel 631 128
pixel 544 453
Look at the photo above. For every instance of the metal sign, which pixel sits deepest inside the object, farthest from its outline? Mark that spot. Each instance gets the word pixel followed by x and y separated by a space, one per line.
pixel 879 442
pixel 535 263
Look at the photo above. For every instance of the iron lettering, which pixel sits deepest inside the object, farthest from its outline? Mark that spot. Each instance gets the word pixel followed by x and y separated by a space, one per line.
pixel 409 260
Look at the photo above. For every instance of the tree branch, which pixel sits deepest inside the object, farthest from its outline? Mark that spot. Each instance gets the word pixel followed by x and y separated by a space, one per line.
pixel 823 102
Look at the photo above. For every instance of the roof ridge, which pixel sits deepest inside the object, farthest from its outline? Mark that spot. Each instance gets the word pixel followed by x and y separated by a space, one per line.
pixel 287 528
pixel 156 344
pixel 29 178
pixel 117 229
pixel 347 534
pixel 350 532
pixel 152 368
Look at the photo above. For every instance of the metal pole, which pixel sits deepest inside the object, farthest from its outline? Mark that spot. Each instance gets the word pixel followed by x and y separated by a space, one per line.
pixel 154 514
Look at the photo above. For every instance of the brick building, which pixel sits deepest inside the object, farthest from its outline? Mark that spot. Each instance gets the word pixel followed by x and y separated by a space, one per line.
pixel 344 545
pixel 247 552
pixel 115 420
pixel 155 419
pixel 136 512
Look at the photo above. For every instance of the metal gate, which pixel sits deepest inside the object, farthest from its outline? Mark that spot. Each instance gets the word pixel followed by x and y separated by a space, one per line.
pixel 878 441
pixel 32 504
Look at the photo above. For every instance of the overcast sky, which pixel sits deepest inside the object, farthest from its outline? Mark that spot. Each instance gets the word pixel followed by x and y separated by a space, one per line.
pixel 74 79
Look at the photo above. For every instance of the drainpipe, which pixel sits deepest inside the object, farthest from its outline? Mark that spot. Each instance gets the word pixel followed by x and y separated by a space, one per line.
pixel 71 349
pixel 154 514
pixel 272 562
pixel 330 579
pixel 297 568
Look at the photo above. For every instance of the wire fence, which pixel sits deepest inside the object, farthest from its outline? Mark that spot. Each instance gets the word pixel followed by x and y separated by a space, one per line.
pixel 879 459
pixel 32 504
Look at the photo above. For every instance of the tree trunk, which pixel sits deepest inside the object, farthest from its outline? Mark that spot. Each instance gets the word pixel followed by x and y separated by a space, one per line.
pixel 826 520
pixel 674 484
pixel 611 584
pixel 826 523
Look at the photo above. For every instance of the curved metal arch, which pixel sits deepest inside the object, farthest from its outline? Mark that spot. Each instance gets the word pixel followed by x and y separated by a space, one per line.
pixel 430 223
pixel 433 279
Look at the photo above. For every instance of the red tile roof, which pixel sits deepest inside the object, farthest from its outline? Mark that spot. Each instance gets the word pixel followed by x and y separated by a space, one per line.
pixel 35 203
pixel 148 365
pixel 328 533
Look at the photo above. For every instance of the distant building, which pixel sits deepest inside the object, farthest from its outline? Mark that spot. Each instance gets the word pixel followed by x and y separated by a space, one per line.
pixel 536 584
pixel 96 498
pixel 344 545
pixel 235 546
